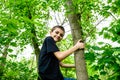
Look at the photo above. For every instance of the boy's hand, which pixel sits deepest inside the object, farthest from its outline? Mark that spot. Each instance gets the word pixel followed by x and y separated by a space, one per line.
pixel 80 44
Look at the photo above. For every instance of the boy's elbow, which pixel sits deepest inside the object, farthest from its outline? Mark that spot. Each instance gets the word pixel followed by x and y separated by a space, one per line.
pixel 58 56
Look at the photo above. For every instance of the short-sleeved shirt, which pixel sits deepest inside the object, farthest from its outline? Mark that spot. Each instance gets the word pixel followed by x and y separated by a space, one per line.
pixel 48 64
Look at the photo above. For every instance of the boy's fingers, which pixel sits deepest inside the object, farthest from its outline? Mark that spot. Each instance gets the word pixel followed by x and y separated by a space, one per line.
pixel 81 40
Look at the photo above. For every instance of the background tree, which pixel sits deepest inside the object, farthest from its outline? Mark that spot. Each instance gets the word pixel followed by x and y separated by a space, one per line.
pixel 20 26
pixel 25 23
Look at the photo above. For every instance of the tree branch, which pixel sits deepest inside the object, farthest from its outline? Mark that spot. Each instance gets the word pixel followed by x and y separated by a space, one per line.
pixel 113 16
pixel 63 21
pixel 93 28
pixel 56 19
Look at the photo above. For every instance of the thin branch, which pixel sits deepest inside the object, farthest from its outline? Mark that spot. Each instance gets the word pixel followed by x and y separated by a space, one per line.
pixel 56 19
pixel 100 22
pixel 59 18
pixel 113 16
pixel 63 21
pixel 93 28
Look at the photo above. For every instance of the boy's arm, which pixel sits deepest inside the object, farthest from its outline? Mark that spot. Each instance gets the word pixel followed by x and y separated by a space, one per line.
pixel 62 55
pixel 67 65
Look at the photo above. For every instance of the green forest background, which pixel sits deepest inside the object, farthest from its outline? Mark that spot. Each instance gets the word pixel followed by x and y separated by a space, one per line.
pixel 26 23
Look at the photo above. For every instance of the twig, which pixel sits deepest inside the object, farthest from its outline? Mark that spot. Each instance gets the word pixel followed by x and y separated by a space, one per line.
pixel 113 16
pixel 56 19
pixel 63 21
pixel 93 28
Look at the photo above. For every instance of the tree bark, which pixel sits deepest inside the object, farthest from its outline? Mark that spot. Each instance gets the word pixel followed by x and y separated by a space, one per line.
pixel 4 56
pixel 76 29
pixel 34 37
pixel 3 60
pixel 35 44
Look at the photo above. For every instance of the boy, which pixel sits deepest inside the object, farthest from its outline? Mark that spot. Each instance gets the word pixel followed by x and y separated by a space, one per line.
pixel 51 57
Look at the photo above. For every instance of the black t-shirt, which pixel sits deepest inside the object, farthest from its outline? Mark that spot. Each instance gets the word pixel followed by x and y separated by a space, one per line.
pixel 48 64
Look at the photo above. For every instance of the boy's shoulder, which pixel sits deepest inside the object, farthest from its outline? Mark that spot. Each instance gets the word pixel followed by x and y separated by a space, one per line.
pixel 49 39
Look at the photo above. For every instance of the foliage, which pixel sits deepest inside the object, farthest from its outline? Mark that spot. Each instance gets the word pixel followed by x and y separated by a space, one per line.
pixel 23 70
pixel 113 32
pixel 103 62
pixel 98 57
pixel 18 18
pixel 18 25
pixel 65 44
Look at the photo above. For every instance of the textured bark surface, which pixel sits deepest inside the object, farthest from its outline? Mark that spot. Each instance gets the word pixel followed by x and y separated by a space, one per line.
pixel 3 60
pixel 76 29
pixel 34 38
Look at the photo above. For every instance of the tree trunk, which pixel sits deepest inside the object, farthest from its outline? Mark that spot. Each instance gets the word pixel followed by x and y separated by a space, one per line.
pixel 34 37
pixel 74 20
pixel 35 44
pixel 3 60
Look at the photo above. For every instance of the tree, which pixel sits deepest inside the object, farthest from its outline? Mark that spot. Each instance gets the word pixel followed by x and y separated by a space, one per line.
pixel 20 25
pixel 76 28
pixel 79 14
pixel 25 22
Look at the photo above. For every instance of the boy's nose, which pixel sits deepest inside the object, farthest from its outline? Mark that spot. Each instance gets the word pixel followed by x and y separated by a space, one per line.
pixel 59 35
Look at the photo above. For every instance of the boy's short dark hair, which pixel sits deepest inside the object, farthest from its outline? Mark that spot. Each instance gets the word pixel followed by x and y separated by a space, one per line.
pixel 58 26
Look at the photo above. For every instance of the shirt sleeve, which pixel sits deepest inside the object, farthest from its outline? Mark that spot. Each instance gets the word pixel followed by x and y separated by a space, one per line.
pixel 51 45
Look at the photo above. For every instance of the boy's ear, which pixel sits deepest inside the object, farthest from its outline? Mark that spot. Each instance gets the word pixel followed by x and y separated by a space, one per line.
pixel 50 32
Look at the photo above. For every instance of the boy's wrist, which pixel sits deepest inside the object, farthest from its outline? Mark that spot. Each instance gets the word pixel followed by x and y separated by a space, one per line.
pixel 81 49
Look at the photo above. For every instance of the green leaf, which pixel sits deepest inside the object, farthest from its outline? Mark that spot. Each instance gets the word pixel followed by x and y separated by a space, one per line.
pixel 12 55
pixel 90 56
pixel 106 35
pixel 109 1
pixel 95 47
pixel 13 44
pixel 10 50
pixel 114 39
pixel 103 73
pixel 100 43
pixel 96 77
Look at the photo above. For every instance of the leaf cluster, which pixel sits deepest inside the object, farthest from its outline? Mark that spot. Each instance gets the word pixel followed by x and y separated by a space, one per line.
pixel 19 70
pixel 103 62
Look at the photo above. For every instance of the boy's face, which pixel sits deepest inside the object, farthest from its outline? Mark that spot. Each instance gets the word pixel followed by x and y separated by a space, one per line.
pixel 57 34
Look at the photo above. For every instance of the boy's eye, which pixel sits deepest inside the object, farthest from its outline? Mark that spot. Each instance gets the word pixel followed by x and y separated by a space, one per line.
pixel 56 32
pixel 61 35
